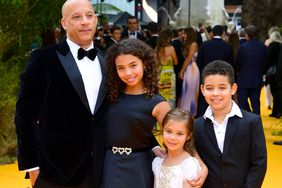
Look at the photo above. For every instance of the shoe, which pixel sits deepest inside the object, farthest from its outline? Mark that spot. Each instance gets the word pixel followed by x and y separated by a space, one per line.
pixel 272 115
pixel 279 142
pixel 278 115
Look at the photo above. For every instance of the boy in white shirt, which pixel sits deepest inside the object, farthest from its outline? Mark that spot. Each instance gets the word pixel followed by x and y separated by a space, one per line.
pixel 230 141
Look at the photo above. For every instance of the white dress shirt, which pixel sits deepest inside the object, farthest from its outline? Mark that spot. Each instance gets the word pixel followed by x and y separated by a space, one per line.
pixel 132 36
pixel 91 74
pixel 220 128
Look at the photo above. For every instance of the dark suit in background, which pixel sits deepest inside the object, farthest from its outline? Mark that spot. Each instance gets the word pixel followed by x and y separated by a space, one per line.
pixel 249 65
pixel 215 49
pixel 152 41
pixel 242 41
pixel 243 161
pixel 279 81
pixel 176 43
pixel 126 34
pixel 272 60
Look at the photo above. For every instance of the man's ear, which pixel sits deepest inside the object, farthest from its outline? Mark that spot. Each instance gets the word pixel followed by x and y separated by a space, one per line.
pixel 63 23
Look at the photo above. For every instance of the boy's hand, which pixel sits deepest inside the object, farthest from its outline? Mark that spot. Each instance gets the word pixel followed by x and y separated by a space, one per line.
pixel 186 184
pixel 200 179
pixel 159 152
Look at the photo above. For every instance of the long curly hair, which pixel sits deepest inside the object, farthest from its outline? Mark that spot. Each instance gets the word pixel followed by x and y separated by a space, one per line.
pixel 136 48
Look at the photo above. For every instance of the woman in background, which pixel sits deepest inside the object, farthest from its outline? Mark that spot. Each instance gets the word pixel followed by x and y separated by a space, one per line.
pixel 190 73
pixel 166 58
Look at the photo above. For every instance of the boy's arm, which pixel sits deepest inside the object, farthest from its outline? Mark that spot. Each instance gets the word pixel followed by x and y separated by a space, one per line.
pixel 258 156
pixel 200 179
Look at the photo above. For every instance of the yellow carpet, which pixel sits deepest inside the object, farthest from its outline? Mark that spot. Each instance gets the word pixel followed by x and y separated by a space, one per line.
pixel 10 177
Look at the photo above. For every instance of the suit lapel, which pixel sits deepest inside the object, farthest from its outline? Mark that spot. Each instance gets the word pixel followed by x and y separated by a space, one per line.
pixel 69 64
pixel 102 89
pixel 231 129
pixel 210 132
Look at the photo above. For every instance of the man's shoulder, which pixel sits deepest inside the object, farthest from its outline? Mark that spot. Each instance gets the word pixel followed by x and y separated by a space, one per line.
pixel 47 50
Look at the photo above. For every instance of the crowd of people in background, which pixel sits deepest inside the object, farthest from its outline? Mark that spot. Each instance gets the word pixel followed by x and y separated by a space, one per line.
pixel 183 52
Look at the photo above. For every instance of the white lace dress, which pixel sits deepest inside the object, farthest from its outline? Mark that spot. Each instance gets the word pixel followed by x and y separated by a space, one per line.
pixel 173 176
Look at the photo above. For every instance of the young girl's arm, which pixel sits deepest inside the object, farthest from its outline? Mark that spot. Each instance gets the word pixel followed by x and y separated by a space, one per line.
pixel 200 179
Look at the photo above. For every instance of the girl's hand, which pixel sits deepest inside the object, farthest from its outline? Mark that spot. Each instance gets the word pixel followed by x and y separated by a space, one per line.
pixel 159 152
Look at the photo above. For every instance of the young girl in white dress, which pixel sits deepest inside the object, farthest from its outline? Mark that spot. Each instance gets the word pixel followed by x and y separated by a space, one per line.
pixel 179 167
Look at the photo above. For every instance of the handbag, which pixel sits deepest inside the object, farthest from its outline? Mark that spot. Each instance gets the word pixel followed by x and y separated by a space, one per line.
pixel 270 73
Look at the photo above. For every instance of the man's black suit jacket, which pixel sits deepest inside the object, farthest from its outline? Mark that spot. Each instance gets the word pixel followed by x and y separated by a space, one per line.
pixel 125 35
pixel 55 127
pixel 243 161
pixel 250 61
pixel 215 49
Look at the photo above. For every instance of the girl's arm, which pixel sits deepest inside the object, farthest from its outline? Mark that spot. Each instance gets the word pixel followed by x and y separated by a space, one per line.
pixel 174 56
pixel 193 48
pixel 200 179
pixel 159 112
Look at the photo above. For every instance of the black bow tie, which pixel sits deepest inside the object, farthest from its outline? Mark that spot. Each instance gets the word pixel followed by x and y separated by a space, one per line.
pixel 91 54
pixel 132 33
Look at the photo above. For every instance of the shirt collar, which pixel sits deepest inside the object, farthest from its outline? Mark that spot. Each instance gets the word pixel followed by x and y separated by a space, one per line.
pixel 235 110
pixel 74 47
pixel 217 37
pixel 132 32
pixel 114 40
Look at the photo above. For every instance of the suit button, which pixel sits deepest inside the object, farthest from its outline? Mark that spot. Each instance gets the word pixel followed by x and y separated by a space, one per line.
pixel 92 120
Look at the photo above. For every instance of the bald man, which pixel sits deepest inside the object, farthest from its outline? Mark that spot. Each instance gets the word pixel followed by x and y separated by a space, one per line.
pixel 59 112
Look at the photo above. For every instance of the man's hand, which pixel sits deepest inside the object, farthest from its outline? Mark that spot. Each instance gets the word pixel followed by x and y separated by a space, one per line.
pixel 33 176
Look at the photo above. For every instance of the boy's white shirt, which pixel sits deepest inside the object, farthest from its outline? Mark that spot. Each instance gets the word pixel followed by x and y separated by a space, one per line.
pixel 220 128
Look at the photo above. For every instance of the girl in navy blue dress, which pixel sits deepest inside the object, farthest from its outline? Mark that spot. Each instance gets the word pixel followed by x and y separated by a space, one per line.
pixel 135 109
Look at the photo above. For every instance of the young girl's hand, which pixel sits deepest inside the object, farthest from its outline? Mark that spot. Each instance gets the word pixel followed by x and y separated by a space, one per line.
pixel 159 152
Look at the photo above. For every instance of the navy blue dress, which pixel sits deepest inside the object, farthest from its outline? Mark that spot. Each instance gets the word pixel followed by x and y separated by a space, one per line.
pixel 129 125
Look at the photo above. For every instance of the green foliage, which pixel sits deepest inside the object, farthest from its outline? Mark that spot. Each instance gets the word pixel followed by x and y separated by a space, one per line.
pixel 22 23
pixel 8 90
